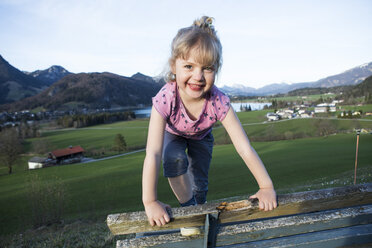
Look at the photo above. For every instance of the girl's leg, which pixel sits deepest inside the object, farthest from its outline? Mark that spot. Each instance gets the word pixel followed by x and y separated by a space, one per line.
pixel 175 165
pixel 182 189
pixel 200 155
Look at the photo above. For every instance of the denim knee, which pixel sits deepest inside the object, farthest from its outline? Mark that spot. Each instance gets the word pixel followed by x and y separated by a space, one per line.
pixel 175 164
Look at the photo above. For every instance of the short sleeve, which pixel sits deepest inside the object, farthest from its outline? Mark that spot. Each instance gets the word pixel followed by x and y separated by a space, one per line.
pixel 222 104
pixel 163 100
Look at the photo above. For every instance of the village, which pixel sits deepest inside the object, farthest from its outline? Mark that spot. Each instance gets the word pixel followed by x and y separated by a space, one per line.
pixel 305 111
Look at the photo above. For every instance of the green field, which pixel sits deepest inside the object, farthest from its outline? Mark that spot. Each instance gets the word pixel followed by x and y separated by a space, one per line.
pixel 135 132
pixel 96 189
pixel 93 190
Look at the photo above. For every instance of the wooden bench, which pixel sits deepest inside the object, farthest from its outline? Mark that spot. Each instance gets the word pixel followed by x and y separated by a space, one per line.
pixel 334 217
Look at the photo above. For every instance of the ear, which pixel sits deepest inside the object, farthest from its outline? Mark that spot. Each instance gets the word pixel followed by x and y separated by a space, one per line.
pixel 173 68
pixel 172 65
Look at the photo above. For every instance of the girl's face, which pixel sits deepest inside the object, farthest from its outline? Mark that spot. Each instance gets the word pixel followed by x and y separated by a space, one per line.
pixel 193 79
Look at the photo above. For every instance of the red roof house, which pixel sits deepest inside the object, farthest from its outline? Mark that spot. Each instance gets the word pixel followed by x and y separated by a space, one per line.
pixel 67 153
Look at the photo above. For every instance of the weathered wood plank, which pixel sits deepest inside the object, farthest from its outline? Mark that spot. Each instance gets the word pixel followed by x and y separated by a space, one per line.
pixel 292 225
pixel 341 237
pixel 302 202
pixel 262 230
pixel 164 241
pixel 135 222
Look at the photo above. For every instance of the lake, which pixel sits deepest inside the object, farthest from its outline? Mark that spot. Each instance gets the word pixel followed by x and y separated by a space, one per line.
pixel 145 112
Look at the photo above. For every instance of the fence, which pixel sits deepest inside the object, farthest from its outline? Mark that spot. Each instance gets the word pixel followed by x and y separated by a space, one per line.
pixel 334 217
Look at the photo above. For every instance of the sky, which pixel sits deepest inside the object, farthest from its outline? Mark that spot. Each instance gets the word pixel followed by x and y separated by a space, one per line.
pixel 264 42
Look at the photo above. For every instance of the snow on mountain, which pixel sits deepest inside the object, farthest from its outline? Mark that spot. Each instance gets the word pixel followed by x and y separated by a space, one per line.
pixel 352 76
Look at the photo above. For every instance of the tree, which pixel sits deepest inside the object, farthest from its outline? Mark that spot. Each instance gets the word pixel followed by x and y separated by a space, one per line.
pixel 10 148
pixel 119 143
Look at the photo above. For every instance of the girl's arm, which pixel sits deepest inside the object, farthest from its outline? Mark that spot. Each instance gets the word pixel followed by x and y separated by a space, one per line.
pixel 266 195
pixel 155 210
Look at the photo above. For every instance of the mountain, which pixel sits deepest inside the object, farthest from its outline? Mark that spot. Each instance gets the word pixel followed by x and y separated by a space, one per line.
pixel 364 89
pixel 15 85
pixel 237 89
pixel 92 90
pixel 50 75
pixel 350 77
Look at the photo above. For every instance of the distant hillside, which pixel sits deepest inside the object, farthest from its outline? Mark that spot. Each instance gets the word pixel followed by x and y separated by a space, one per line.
pixel 316 91
pixel 92 90
pixel 50 75
pixel 363 89
pixel 350 77
pixel 15 85
pixel 353 76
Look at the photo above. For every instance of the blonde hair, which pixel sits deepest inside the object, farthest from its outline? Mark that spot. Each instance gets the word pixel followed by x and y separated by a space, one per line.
pixel 201 35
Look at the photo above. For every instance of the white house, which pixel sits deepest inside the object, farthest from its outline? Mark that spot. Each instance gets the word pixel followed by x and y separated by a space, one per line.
pixel 305 115
pixel 36 163
pixel 320 109
pixel 301 111
pixel 332 108
pixel 325 107
pixel 272 117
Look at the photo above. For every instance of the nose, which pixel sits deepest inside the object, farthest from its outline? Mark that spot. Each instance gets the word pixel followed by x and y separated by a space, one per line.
pixel 198 75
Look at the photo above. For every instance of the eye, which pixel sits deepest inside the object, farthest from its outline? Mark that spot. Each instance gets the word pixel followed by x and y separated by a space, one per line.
pixel 209 68
pixel 189 67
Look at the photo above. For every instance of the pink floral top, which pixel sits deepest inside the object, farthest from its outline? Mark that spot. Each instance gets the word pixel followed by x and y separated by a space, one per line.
pixel 169 105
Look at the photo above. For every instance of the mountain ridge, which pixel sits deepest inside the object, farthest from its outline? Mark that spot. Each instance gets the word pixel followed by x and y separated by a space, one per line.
pixel 351 76
pixel 57 88
pixel 92 91
pixel 15 85
pixel 50 75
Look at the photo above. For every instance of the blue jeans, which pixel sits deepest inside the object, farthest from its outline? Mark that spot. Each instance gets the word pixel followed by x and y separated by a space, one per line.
pixel 181 154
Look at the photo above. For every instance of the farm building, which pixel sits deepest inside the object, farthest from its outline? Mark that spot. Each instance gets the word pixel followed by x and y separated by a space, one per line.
pixel 67 155
pixel 272 117
pixel 325 107
pixel 36 163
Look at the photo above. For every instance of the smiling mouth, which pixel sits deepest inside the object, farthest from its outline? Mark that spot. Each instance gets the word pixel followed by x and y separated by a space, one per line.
pixel 196 87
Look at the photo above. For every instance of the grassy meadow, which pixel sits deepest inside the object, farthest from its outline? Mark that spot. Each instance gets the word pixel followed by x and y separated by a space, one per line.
pixel 93 190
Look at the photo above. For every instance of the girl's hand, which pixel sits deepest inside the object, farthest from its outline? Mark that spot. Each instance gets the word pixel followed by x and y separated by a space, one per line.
pixel 266 198
pixel 156 212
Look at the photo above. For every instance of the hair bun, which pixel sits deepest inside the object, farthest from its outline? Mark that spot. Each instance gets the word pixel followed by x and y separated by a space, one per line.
pixel 205 23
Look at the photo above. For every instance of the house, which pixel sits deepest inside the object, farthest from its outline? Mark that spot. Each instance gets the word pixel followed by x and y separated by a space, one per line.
pixel 36 163
pixel 325 108
pixel 306 115
pixel 272 117
pixel 283 114
pixel 67 155
pixel 320 109
pixel 301 111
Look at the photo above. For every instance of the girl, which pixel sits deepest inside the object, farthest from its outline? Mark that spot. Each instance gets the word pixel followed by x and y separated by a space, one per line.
pixel 182 117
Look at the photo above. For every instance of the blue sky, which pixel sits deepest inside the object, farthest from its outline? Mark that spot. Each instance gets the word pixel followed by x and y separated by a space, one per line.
pixel 263 42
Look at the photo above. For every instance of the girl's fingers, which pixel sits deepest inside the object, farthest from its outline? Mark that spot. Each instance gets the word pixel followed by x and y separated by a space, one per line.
pixel 261 205
pixel 252 197
pixel 162 221
pixel 270 206
pixel 158 223
pixel 166 218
